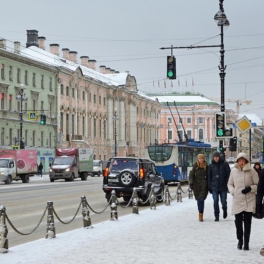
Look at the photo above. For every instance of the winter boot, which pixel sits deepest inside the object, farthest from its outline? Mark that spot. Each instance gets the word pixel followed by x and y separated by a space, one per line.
pixel 225 214
pixel 201 217
pixel 239 232
pixel 247 225
pixel 217 219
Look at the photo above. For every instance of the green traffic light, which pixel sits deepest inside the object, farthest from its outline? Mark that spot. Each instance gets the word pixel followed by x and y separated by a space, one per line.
pixel 220 132
pixel 42 122
pixel 170 73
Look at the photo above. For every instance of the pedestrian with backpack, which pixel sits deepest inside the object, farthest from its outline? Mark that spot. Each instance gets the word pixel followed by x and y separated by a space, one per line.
pixel 218 175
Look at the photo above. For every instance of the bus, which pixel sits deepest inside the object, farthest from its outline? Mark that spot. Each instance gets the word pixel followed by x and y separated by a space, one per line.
pixel 175 161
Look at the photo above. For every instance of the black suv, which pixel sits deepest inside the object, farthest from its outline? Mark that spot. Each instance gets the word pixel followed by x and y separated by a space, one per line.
pixel 122 174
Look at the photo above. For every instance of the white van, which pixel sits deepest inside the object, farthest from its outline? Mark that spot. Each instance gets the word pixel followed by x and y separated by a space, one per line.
pixel 97 167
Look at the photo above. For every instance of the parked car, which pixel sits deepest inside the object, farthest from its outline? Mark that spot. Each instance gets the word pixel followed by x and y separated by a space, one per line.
pixel 231 160
pixel 123 174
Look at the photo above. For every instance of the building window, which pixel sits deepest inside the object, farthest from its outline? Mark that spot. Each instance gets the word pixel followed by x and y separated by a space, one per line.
pixel 73 125
pixel 61 90
pixel 100 128
pixel 42 82
pixel 189 133
pixel 83 95
pixel 41 138
pixel 10 136
pixel 90 97
pixel 73 92
pixel 50 84
pixel 169 120
pixel 61 122
pixel 169 134
pixel 100 99
pixel 201 135
pixel 2 101
pixel 2 71
pixel 34 79
pixel 10 102
pixel 50 139
pixel 18 76
pixel 67 124
pixel 33 138
pixel 51 109
pixel 34 105
pixel 104 101
pixel 2 136
pixel 189 120
pixel 94 98
pixel 42 107
pixel 104 129
pixel 10 73
pixel 83 126
pixel 26 137
pixel 67 90
pixel 18 107
pixel 94 127
pixel 25 107
pixel 26 77
pixel 200 120
pixel 181 120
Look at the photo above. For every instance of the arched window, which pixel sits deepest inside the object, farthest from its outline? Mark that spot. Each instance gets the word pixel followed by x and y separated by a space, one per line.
pixel 200 135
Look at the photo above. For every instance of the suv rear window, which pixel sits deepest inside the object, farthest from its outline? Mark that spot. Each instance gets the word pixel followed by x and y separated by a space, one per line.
pixel 122 164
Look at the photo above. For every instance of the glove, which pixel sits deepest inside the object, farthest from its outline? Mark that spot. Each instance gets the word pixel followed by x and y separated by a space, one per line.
pixel 209 190
pixel 259 212
pixel 191 186
pixel 246 190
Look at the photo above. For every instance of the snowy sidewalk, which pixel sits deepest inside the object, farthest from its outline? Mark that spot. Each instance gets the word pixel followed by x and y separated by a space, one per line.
pixel 170 234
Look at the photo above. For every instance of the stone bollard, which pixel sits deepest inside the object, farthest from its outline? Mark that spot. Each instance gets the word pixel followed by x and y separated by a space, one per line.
pixel 87 223
pixel 190 193
pixel 51 233
pixel 167 195
pixel 113 206
pixel 135 201
pixel 152 200
pixel 179 194
pixel 3 231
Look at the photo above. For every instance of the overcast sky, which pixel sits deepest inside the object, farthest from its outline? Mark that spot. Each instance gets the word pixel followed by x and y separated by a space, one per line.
pixel 127 36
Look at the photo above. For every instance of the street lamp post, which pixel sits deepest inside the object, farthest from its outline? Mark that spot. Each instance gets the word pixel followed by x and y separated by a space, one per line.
pixel 21 97
pixel 222 21
pixel 115 134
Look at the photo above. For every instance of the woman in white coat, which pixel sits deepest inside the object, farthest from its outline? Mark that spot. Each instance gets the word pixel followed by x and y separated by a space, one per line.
pixel 242 185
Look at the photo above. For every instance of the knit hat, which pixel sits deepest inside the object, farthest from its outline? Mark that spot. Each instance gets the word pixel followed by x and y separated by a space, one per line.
pixel 200 156
pixel 216 154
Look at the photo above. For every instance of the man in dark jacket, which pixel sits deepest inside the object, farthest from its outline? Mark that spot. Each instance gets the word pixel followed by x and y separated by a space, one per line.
pixel 218 175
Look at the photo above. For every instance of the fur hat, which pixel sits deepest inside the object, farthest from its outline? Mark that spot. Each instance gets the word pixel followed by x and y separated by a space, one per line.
pixel 200 156
pixel 216 154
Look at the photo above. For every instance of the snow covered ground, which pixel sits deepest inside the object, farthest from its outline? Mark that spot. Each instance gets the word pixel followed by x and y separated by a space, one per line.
pixel 169 234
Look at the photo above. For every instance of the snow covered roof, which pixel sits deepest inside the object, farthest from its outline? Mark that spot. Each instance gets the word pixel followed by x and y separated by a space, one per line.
pixel 146 96
pixel 183 99
pixel 252 117
pixel 46 57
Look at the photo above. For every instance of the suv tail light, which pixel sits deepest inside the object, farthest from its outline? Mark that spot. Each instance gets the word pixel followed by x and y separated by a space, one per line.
pixel 141 173
pixel 106 171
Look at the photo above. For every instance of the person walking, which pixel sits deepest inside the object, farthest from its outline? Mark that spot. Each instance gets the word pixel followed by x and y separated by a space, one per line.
pixel 198 183
pixel 257 168
pixel 218 175
pixel 242 185
pixel 40 168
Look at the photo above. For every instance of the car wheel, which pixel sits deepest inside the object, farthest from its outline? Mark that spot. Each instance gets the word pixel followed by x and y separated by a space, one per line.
pixel 25 179
pixel 160 196
pixel 99 173
pixel 127 178
pixel 51 180
pixel 8 180
pixel 84 176
pixel 72 177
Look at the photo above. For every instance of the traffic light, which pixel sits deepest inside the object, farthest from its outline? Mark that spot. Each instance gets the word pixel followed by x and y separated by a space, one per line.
pixel 233 144
pixel 43 119
pixel 171 67
pixel 221 129
pixel 221 146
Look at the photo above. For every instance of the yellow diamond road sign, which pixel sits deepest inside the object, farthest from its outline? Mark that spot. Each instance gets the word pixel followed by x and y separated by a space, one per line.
pixel 243 124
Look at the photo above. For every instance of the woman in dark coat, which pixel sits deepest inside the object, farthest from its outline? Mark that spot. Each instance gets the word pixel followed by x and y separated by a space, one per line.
pixel 198 183
pixel 257 168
